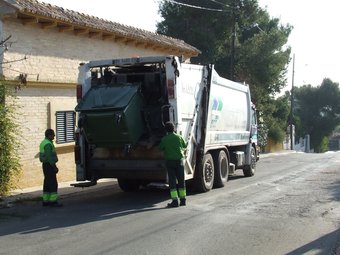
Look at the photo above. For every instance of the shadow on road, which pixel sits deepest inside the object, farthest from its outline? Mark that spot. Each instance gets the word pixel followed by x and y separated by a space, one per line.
pixel 318 246
pixel 101 203
pixel 335 190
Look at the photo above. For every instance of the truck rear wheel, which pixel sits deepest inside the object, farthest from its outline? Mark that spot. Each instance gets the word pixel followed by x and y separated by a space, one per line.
pixel 129 185
pixel 204 177
pixel 221 164
pixel 249 170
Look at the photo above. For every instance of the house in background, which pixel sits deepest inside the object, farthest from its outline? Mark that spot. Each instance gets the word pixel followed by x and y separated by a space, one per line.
pixel 43 46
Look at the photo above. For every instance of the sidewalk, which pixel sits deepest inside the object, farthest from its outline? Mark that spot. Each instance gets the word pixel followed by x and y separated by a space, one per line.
pixel 283 152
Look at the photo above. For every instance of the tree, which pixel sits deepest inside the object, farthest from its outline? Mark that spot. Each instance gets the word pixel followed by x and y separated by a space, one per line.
pixel 279 114
pixel 202 28
pixel 318 112
pixel 276 114
pixel 239 37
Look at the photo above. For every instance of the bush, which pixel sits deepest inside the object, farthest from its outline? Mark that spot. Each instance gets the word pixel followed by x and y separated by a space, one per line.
pixel 322 146
pixel 9 158
pixel 276 134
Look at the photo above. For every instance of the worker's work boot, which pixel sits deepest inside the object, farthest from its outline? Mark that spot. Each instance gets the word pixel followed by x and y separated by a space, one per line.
pixel 183 202
pixel 174 203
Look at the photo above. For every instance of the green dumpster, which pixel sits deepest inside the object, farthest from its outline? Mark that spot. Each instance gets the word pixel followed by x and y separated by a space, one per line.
pixel 111 116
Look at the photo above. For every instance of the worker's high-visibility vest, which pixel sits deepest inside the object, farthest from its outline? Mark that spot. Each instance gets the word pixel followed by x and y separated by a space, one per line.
pixel 42 155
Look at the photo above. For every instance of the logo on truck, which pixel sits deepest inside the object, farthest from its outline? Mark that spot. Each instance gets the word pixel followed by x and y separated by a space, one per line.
pixel 217 106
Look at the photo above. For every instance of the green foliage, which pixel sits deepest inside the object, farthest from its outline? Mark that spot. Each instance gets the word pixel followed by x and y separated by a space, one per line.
pixel 322 146
pixel 275 116
pixel 9 159
pixel 318 112
pixel 276 133
pixel 260 58
pixel 205 30
pixel 263 136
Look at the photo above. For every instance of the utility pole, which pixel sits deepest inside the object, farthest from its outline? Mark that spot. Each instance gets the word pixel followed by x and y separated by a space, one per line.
pixel 292 107
pixel 235 8
pixel 233 38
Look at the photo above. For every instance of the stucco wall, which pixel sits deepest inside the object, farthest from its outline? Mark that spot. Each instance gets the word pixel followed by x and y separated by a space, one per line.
pixel 50 57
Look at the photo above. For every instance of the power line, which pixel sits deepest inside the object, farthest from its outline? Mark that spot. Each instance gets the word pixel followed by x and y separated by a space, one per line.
pixel 197 7
pixel 12 61
pixel 217 2
pixel 5 40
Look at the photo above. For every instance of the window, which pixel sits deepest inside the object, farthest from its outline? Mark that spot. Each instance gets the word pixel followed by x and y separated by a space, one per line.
pixel 65 123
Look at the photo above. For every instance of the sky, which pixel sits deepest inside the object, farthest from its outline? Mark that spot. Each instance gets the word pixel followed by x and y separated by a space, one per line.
pixel 315 39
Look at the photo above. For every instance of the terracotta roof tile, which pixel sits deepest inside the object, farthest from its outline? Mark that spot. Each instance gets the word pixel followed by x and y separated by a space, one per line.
pixel 60 14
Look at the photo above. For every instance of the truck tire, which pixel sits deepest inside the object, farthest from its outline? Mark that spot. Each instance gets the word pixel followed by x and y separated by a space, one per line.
pixel 221 164
pixel 249 170
pixel 129 185
pixel 204 177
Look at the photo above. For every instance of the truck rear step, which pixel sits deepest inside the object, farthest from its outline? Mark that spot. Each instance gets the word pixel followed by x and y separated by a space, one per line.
pixel 83 184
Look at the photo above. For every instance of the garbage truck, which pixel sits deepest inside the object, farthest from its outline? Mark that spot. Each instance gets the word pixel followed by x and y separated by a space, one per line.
pixel 123 105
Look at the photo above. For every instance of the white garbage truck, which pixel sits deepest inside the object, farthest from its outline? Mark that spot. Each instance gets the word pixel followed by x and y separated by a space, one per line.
pixel 123 105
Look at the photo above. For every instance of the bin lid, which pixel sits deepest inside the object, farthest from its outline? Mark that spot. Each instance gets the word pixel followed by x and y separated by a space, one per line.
pixel 108 97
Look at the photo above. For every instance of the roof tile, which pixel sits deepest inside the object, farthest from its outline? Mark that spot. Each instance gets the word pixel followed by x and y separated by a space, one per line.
pixel 60 14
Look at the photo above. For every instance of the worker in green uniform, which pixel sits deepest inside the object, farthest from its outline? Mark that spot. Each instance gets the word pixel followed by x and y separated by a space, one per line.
pixel 174 146
pixel 48 157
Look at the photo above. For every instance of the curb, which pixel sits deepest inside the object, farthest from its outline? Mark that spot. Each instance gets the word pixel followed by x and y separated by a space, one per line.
pixel 283 152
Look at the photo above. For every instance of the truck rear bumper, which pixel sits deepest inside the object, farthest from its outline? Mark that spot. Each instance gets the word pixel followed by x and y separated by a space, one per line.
pixel 129 169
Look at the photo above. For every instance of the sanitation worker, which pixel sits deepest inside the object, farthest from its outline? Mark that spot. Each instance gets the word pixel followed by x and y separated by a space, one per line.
pixel 48 157
pixel 174 146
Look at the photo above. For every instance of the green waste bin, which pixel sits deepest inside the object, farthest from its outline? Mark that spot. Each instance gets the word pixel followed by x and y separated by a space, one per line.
pixel 112 115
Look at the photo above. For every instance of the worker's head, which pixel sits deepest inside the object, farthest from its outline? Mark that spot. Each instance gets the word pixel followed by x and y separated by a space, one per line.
pixel 169 127
pixel 49 133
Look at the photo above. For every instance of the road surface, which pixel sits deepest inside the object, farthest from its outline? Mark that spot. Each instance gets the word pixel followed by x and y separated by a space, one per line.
pixel 291 206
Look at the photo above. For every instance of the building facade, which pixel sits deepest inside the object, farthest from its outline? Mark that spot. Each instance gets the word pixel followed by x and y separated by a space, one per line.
pixel 41 49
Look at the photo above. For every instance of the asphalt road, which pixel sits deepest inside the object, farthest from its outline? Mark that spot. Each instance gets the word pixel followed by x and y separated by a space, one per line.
pixel 291 206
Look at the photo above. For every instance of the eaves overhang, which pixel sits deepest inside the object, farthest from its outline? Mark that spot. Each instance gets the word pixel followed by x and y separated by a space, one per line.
pixel 48 16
